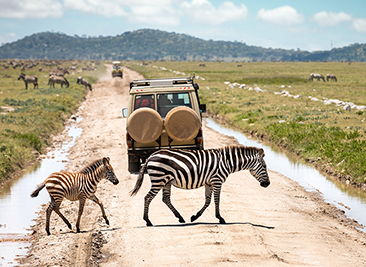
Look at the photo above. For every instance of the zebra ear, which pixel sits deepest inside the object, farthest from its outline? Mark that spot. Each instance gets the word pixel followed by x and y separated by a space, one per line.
pixel 105 161
pixel 261 152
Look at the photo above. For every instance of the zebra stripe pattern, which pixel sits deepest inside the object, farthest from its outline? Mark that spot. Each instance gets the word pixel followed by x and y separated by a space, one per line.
pixel 80 186
pixel 190 169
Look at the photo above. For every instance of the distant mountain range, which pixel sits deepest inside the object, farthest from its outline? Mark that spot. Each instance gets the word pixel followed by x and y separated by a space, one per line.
pixel 148 44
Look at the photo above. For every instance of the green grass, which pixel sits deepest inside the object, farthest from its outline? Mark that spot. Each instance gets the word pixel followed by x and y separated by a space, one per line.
pixel 309 128
pixel 29 117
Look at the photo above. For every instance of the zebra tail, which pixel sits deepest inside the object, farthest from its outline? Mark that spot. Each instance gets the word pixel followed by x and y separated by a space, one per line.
pixel 139 181
pixel 67 82
pixel 39 188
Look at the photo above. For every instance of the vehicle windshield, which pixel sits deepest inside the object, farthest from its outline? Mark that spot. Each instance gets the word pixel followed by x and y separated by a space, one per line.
pixel 165 102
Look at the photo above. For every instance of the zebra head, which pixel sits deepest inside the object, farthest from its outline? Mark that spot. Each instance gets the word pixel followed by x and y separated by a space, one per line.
pixel 21 76
pixel 109 172
pixel 259 169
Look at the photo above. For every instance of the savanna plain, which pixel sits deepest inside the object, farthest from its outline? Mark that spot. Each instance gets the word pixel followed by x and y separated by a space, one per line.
pixel 283 225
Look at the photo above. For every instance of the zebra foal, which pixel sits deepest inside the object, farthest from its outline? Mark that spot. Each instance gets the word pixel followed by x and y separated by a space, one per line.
pixel 190 169
pixel 73 186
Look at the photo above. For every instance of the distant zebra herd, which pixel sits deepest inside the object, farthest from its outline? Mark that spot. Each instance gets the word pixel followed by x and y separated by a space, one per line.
pixel 54 78
pixel 319 77
pixel 185 169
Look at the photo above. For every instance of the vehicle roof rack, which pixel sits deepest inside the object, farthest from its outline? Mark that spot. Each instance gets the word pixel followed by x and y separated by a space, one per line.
pixel 161 82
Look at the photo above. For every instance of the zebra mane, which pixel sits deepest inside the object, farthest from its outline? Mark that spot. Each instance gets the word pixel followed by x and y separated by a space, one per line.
pixel 232 147
pixel 92 166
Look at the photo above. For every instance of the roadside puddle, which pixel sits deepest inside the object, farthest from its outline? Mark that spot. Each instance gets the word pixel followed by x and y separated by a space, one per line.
pixel 18 210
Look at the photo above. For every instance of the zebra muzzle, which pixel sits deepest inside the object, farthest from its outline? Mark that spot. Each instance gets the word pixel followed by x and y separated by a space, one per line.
pixel 265 183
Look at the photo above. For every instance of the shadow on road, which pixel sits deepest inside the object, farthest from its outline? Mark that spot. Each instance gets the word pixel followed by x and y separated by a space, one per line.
pixel 207 223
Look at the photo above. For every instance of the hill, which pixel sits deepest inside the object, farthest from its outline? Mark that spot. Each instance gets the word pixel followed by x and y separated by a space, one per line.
pixel 148 44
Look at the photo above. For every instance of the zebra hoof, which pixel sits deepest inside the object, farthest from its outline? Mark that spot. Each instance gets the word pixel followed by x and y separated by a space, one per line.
pixel 222 221
pixel 193 218
pixel 181 220
pixel 148 223
pixel 106 221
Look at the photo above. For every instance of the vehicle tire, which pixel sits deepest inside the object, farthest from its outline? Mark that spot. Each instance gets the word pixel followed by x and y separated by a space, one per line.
pixel 182 124
pixel 145 125
pixel 133 163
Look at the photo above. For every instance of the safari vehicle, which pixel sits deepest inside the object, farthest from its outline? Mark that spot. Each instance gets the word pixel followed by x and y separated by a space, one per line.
pixel 162 113
pixel 117 70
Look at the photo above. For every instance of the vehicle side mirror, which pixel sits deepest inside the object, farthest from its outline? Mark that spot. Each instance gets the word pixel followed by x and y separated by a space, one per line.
pixel 124 113
pixel 203 108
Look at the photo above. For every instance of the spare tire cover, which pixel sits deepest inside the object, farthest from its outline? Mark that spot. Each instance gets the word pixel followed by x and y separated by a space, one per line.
pixel 145 125
pixel 182 124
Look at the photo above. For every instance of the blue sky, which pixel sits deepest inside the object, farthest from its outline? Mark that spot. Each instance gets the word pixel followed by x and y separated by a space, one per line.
pixel 307 25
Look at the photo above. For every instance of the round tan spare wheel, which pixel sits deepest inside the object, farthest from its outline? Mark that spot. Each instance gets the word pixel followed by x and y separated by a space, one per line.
pixel 182 124
pixel 145 125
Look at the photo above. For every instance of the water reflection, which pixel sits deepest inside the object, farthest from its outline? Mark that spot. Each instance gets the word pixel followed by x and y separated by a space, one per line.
pixel 18 210
pixel 348 199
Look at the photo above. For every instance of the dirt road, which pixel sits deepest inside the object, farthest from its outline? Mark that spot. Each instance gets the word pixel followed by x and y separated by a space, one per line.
pixel 282 225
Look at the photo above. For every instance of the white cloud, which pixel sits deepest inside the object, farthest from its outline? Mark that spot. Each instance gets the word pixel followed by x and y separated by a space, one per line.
pixel 157 12
pixel 285 15
pixel 99 7
pixel 359 25
pixel 11 35
pixel 331 19
pixel 203 12
pixel 162 12
pixel 22 9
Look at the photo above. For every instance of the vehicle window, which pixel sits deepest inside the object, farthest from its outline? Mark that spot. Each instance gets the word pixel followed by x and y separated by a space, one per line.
pixel 166 102
pixel 144 101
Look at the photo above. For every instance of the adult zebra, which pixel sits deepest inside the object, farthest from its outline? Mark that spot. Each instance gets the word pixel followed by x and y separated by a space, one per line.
pixel 29 79
pixel 76 186
pixel 190 169
pixel 84 82
pixel 61 72
pixel 59 80
pixel 316 76
pixel 331 77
